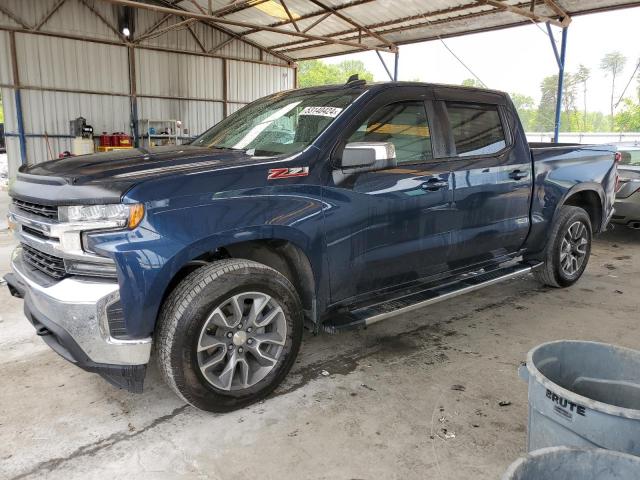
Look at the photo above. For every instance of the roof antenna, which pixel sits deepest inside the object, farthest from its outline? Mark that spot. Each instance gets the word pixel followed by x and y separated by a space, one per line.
pixel 354 81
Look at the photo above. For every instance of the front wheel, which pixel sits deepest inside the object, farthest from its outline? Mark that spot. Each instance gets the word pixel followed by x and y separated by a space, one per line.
pixel 228 334
pixel 567 253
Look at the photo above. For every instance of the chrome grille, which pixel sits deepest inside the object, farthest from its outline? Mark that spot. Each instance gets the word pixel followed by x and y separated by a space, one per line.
pixel 47 211
pixel 49 264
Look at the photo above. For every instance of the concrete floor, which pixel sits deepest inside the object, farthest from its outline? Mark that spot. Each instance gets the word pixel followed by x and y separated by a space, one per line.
pixel 412 398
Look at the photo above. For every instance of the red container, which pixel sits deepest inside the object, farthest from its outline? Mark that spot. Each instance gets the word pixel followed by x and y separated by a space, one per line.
pixel 121 139
pixel 106 140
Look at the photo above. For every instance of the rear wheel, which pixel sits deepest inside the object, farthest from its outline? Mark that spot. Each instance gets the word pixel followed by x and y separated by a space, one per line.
pixel 567 253
pixel 228 334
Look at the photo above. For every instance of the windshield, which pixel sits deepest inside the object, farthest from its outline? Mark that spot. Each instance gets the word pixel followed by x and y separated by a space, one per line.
pixel 278 124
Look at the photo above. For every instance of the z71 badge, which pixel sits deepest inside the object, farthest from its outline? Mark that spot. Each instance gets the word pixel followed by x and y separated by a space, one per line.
pixel 277 173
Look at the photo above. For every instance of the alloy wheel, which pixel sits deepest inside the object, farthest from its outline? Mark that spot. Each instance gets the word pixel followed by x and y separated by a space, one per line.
pixel 241 341
pixel 574 248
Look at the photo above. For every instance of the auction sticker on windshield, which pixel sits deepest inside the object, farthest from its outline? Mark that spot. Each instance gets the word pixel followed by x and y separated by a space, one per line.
pixel 321 111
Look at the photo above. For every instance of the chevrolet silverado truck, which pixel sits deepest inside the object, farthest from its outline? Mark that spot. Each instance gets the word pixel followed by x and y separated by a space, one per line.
pixel 324 208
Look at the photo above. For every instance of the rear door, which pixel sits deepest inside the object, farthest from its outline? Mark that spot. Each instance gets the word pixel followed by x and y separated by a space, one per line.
pixel 392 226
pixel 492 175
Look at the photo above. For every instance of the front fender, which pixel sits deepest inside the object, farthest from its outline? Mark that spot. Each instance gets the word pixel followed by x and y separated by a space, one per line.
pixel 149 257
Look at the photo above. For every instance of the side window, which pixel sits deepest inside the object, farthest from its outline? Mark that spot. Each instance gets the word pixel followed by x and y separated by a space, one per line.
pixel 405 125
pixel 476 129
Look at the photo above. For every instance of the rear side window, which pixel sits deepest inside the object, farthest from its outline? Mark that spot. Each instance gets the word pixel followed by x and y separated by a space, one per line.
pixel 477 129
pixel 405 125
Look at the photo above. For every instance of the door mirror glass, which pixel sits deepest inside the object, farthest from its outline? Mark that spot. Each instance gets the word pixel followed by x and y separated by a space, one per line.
pixel 368 156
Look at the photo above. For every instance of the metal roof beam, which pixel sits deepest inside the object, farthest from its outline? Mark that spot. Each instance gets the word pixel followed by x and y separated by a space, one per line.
pixel 196 38
pixel 318 21
pixel 48 15
pixel 354 3
pixel 104 20
pixel 222 44
pixel 105 41
pixel 237 23
pixel 286 9
pixel 354 34
pixel 226 31
pixel 388 23
pixel 153 27
pixel 187 23
pixel 175 26
pixel 234 7
pixel 564 16
pixel 306 16
pixel 14 17
pixel 355 24
pixel 523 12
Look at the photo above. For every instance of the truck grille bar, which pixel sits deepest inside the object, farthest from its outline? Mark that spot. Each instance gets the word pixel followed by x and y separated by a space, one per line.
pixel 48 264
pixel 47 211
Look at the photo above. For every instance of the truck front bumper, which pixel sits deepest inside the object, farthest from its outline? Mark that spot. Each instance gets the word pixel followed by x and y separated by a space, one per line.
pixel 71 317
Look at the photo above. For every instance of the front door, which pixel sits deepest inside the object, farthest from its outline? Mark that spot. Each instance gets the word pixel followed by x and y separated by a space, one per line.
pixel 391 226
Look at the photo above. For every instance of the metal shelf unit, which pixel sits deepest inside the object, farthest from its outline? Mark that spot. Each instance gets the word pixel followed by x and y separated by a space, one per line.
pixel 155 133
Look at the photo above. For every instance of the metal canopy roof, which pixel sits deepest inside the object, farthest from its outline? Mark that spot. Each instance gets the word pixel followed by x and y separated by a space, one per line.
pixel 304 29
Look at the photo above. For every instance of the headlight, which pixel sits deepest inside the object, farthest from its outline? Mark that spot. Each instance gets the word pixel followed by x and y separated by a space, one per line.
pixel 119 214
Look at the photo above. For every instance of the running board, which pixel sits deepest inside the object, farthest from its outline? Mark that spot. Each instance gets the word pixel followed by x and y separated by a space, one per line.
pixel 365 316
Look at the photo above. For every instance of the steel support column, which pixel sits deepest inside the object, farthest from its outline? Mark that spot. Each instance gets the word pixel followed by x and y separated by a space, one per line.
pixel 18 99
pixel 225 88
pixel 133 96
pixel 560 59
pixel 395 66
pixel 384 64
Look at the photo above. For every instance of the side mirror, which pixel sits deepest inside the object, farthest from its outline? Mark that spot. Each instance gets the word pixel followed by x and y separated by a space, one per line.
pixel 367 156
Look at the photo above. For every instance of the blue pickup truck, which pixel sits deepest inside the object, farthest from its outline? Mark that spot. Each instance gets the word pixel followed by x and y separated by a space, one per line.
pixel 324 208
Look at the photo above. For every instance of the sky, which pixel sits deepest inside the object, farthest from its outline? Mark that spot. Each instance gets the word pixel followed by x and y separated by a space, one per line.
pixel 517 59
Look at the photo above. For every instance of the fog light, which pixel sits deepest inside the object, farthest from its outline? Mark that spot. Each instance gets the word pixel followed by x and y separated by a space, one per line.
pixel 75 267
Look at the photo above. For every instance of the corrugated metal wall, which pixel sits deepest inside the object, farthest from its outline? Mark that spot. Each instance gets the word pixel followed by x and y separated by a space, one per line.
pixel 63 78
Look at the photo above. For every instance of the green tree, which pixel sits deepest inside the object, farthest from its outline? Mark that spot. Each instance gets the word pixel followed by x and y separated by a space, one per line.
pixel 351 67
pixel 638 79
pixel 472 82
pixel 612 64
pixel 545 118
pixel 570 119
pixel 316 72
pixel 582 77
pixel 628 119
pixel 525 106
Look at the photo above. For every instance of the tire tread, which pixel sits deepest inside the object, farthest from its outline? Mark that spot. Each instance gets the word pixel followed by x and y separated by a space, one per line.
pixel 546 274
pixel 175 305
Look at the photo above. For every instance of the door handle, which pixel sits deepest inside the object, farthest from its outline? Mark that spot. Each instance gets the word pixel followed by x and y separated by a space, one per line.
pixel 434 184
pixel 518 174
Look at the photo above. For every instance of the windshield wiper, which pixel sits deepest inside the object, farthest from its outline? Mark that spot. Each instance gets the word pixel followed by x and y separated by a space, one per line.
pixel 218 147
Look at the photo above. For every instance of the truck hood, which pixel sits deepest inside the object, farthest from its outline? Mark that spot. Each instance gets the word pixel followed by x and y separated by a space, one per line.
pixel 137 163
pixel 105 177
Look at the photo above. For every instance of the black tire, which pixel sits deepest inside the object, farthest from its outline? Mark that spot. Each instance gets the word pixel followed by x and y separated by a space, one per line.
pixel 183 318
pixel 552 273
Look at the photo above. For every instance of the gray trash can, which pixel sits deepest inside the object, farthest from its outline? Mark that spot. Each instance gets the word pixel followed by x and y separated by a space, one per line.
pixel 564 463
pixel 583 394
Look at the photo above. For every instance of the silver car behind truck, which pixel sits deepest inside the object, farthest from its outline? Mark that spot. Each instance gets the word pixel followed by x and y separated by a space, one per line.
pixel 627 206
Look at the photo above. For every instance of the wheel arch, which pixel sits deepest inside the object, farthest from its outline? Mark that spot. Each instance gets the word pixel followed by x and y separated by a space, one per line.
pixel 589 197
pixel 282 253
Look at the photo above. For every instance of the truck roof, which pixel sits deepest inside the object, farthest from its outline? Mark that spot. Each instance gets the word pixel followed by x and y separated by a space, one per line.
pixel 461 92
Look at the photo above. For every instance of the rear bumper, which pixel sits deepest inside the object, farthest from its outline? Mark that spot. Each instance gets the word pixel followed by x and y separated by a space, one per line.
pixel 627 210
pixel 70 316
